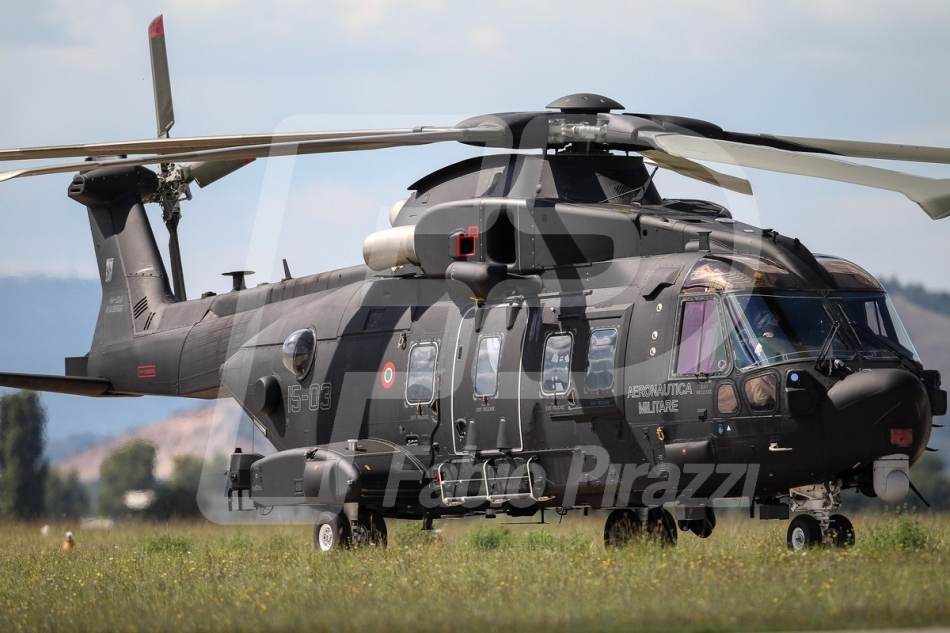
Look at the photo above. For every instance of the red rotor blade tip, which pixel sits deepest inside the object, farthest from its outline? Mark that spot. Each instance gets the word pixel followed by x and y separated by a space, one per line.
pixel 157 27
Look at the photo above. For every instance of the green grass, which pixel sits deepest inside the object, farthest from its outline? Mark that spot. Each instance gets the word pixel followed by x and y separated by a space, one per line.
pixel 480 575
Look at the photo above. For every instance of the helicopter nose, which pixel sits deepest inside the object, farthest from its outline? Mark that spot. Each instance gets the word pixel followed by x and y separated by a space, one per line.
pixel 876 412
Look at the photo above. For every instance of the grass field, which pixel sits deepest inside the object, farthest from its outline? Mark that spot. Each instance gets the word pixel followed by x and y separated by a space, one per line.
pixel 482 575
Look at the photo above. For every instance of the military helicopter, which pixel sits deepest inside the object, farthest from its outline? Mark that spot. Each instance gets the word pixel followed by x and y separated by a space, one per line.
pixel 539 329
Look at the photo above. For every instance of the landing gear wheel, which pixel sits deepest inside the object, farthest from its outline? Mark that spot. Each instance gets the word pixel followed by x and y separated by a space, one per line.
pixel 622 526
pixel 661 526
pixel 370 530
pixel 703 528
pixel 841 531
pixel 803 532
pixel 331 532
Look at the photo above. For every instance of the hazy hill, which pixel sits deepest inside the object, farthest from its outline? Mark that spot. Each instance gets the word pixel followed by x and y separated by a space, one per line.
pixel 930 332
pixel 205 433
pixel 938 302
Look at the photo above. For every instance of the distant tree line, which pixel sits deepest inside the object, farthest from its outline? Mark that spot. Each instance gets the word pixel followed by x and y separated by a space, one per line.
pixel 30 489
pixel 131 469
pixel 938 302
pixel 23 468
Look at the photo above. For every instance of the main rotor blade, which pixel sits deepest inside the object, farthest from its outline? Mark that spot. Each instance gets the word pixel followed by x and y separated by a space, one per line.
pixel 420 136
pixel 206 173
pixel 864 149
pixel 187 144
pixel 933 195
pixel 856 149
pixel 164 110
pixel 694 170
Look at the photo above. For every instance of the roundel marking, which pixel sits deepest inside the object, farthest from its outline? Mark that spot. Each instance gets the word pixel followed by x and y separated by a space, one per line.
pixel 388 375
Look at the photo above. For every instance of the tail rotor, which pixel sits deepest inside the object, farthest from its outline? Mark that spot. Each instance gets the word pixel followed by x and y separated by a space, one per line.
pixel 174 179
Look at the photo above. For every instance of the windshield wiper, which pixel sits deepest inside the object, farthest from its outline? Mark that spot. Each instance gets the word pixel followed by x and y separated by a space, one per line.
pixel 826 348
pixel 907 359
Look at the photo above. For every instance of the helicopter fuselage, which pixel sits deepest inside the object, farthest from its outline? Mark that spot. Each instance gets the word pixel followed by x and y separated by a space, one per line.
pixel 514 353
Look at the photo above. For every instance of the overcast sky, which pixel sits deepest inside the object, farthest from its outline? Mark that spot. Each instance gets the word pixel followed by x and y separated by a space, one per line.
pixel 78 72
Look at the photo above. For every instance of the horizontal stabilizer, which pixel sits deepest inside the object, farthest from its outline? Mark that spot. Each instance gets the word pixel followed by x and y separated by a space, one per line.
pixel 59 384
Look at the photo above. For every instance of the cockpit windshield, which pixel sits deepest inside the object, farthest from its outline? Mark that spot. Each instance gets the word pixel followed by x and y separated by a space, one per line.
pixel 777 327
pixel 875 325
pixel 773 328
pixel 771 318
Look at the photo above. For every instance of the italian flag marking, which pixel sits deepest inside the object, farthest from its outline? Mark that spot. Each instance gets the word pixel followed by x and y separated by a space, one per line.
pixel 388 375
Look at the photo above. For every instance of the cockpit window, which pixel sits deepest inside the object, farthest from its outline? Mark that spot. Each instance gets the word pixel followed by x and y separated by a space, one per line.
pixel 737 272
pixel 773 328
pixel 873 318
pixel 848 276
pixel 761 392
pixel 700 348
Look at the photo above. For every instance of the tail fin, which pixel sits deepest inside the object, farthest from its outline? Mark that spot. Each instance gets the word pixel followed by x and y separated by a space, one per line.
pixel 134 281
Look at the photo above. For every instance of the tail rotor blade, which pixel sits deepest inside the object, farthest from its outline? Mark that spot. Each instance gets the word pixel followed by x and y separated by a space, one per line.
pixel 164 111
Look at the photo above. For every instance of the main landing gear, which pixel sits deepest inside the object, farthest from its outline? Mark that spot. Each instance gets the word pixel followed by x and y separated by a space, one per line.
pixel 657 524
pixel 627 524
pixel 699 521
pixel 342 530
pixel 819 526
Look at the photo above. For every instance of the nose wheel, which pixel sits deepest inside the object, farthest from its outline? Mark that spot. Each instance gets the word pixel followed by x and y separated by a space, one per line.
pixel 807 530
pixel 803 532
pixel 819 526
pixel 840 531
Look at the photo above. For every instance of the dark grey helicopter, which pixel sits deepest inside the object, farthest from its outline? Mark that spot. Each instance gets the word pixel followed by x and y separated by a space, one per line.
pixel 539 328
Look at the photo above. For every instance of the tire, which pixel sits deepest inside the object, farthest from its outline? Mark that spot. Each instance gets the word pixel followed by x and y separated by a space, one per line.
pixel 803 532
pixel 703 528
pixel 372 529
pixel 331 532
pixel 622 526
pixel 661 526
pixel 841 531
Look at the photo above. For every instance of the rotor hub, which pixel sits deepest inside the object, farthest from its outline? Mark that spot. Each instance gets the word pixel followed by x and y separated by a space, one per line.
pixel 585 103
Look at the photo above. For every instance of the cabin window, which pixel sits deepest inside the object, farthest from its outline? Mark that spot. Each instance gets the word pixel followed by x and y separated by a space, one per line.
pixel 600 359
pixel 727 400
pixel 486 366
pixel 298 352
pixel 761 392
pixel 556 368
pixel 420 387
pixel 700 348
